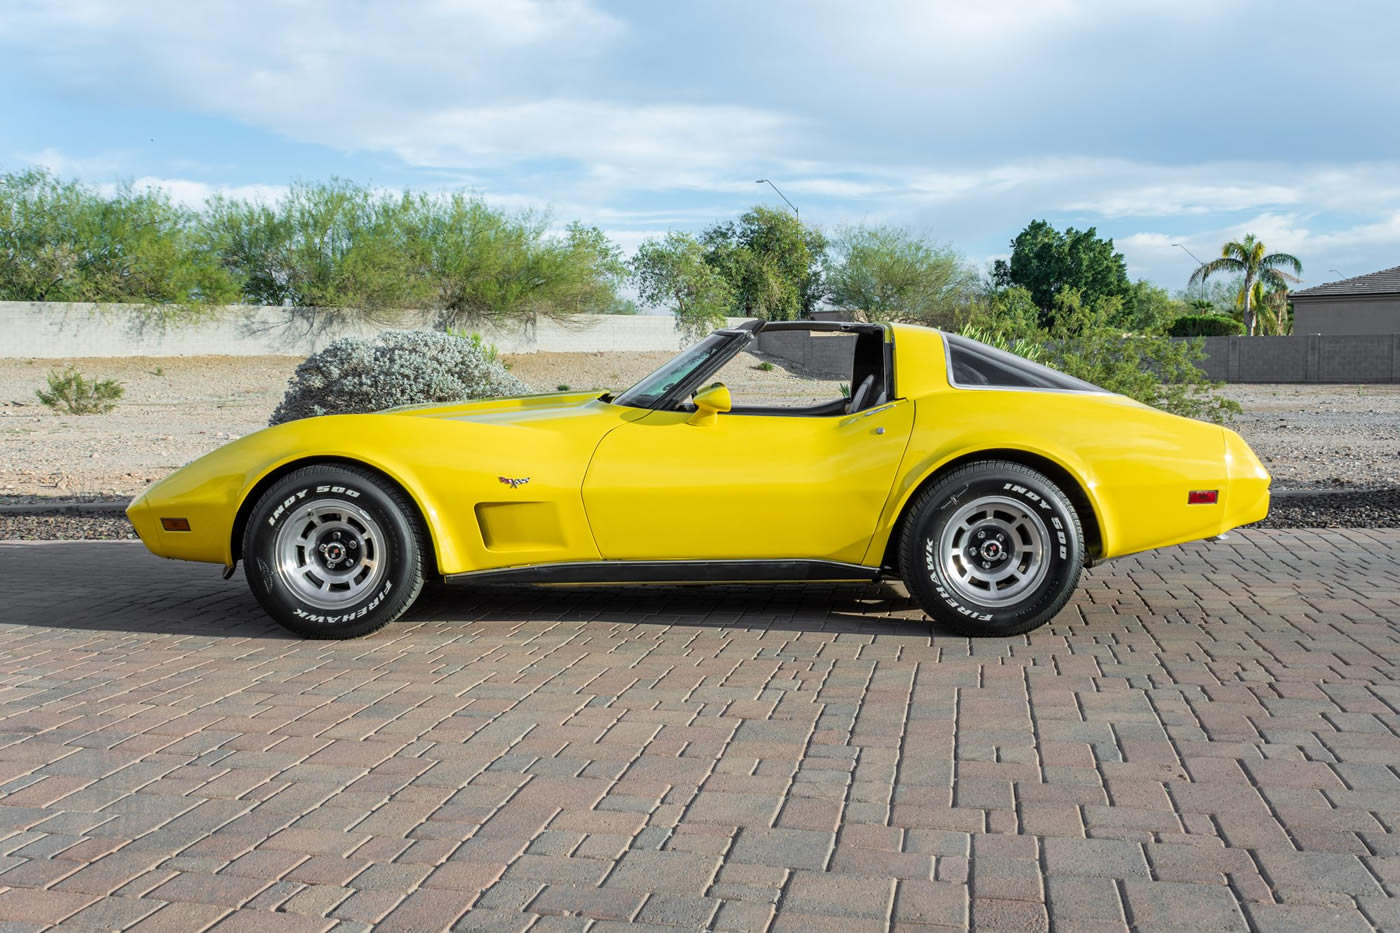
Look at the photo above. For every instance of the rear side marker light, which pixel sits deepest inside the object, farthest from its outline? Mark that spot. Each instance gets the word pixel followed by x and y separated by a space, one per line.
pixel 1203 497
pixel 183 524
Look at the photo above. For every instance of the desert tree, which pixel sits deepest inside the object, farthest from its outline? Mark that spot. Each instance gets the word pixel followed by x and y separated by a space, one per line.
pixel 892 274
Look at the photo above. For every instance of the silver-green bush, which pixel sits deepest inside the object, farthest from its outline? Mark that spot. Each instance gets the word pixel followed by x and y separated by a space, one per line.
pixel 397 367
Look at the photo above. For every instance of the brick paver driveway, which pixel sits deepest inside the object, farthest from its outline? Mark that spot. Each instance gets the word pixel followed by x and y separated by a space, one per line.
pixel 1206 740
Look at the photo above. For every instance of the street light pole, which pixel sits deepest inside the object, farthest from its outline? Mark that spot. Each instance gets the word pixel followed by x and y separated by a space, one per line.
pixel 1201 287
pixel 795 211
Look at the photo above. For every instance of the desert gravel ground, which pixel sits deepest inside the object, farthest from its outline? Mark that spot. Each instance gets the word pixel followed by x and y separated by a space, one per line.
pixel 1323 435
pixel 175 409
pixel 1344 440
pixel 179 408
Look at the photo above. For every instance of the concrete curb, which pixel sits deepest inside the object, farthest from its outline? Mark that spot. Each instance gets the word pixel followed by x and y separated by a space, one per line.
pixel 1316 493
pixel 113 506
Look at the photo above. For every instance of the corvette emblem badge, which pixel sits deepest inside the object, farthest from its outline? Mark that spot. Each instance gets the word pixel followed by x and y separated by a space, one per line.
pixel 514 482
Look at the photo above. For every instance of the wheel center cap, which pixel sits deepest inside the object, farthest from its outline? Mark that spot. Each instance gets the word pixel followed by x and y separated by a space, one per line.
pixel 991 550
pixel 333 551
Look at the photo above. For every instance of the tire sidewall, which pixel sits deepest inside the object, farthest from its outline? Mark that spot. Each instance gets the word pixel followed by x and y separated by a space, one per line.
pixel 279 505
pixel 1064 550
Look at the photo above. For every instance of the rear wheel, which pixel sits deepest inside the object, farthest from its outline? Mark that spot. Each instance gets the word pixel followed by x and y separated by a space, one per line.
pixel 333 552
pixel 993 548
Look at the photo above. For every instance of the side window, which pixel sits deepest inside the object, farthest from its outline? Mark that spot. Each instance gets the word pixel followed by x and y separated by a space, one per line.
pixel 971 363
pixel 801 372
pixel 788 380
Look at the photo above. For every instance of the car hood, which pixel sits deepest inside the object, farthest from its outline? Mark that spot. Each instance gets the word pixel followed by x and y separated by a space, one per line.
pixel 520 410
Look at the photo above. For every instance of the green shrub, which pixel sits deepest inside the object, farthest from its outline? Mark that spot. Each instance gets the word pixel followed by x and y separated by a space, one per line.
pixel 489 350
pixel 1021 346
pixel 1083 342
pixel 1157 371
pixel 70 392
pixel 1205 325
pixel 396 367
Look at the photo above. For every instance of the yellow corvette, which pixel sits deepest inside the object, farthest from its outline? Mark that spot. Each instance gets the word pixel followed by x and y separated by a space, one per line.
pixel 983 480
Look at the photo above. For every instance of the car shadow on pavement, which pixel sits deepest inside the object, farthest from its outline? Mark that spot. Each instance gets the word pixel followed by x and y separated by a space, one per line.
pixel 119 587
pixel 868 607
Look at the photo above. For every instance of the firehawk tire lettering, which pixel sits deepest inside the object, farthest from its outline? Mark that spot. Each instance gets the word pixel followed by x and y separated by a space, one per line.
pixel 927 566
pixel 331 620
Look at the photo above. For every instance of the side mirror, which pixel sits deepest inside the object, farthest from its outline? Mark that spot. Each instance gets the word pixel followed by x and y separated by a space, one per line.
pixel 709 403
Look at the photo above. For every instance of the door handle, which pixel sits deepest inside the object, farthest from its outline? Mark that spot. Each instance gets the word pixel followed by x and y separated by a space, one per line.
pixel 880 429
pixel 874 411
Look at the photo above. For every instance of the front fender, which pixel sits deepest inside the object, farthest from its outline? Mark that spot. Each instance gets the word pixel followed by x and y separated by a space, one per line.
pixel 209 492
pixel 450 468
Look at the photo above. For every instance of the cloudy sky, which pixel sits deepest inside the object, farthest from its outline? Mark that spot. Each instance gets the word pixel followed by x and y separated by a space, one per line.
pixel 1157 121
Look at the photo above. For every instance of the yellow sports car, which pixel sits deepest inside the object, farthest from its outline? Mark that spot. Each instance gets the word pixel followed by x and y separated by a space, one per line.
pixel 984 481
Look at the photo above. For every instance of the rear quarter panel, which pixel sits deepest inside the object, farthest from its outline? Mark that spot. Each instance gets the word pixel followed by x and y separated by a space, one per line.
pixel 1134 463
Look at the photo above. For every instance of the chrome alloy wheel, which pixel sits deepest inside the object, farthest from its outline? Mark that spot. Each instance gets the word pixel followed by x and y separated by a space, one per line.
pixel 330 553
pixel 994 551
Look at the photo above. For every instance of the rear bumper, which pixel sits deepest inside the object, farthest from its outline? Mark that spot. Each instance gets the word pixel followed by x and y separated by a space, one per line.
pixel 1247 495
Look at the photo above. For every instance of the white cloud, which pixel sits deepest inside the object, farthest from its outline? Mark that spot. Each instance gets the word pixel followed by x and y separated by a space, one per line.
pixel 834 188
pixel 964 120
pixel 1156 200
pixel 934 30
pixel 449 84
pixel 66 165
pixel 196 193
pixel 1114 188
pixel 642 146
pixel 1385 231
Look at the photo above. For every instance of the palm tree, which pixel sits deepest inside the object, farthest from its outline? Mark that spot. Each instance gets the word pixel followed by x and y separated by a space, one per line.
pixel 1247 257
pixel 1271 308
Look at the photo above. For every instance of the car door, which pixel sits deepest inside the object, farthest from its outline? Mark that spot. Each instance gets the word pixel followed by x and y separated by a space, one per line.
pixel 744 486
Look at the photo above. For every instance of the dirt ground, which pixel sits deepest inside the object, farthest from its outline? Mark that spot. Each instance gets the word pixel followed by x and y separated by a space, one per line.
pixel 1323 435
pixel 178 408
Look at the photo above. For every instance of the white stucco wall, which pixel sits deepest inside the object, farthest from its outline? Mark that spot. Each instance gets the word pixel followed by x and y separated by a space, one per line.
pixel 54 330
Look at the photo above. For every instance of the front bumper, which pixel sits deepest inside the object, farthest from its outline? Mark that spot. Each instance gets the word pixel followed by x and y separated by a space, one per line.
pixel 209 520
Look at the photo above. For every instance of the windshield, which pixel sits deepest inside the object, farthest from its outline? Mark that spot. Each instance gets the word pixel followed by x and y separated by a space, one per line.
pixel 653 388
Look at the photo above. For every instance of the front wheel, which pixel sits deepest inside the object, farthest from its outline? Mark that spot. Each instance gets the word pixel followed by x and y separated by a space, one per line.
pixel 333 552
pixel 993 548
